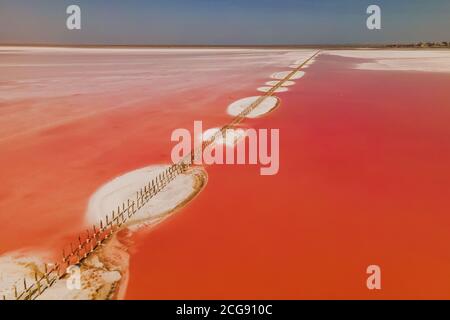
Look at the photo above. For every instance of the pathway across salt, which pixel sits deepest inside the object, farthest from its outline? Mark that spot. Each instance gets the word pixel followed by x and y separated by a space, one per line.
pixel 266 89
pixel 119 190
pixel 284 84
pixel 267 105
pixel 230 139
pixel 283 74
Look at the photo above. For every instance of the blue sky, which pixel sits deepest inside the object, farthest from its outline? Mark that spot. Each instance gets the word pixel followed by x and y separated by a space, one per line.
pixel 215 22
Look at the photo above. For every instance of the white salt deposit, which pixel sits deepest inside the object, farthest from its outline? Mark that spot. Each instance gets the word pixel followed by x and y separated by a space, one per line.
pixel 283 74
pixel 399 60
pixel 266 89
pixel 284 84
pixel 267 105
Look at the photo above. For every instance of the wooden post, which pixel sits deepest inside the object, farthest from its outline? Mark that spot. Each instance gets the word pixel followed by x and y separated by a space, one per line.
pixel 57 268
pixel 88 240
pixel 38 283
pixel 46 274
pixel 137 200
pixel 94 239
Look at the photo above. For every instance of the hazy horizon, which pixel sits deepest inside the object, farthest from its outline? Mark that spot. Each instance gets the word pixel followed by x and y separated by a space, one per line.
pixel 222 22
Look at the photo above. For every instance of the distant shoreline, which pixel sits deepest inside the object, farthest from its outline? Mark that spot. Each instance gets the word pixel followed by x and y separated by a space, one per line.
pixel 421 45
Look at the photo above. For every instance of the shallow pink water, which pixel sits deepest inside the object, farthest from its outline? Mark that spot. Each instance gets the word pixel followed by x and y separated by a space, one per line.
pixel 363 176
pixel 72 120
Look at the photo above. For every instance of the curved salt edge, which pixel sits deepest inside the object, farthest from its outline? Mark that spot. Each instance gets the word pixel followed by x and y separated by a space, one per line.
pixel 14 268
pixel 283 74
pixel 284 84
pixel 267 105
pixel 232 136
pixel 19 265
pixel 124 187
pixel 399 60
pixel 266 89
pixel 305 66
pixel 302 62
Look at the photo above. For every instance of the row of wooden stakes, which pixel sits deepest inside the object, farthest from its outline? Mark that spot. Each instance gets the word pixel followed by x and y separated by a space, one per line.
pixel 92 239
pixel 89 242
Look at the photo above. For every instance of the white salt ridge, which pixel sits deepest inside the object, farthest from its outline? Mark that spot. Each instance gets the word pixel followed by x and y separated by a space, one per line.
pixel 266 89
pixel 267 105
pixel 232 136
pixel 284 84
pixel 283 74
pixel 305 66
pixel 14 267
pixel 124 187
pixel 399 60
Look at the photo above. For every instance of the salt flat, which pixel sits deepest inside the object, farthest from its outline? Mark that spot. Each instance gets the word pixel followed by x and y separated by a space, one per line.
pixel 399 60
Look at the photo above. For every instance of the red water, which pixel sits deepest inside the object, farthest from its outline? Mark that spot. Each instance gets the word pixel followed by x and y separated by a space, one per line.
pixel 363 179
